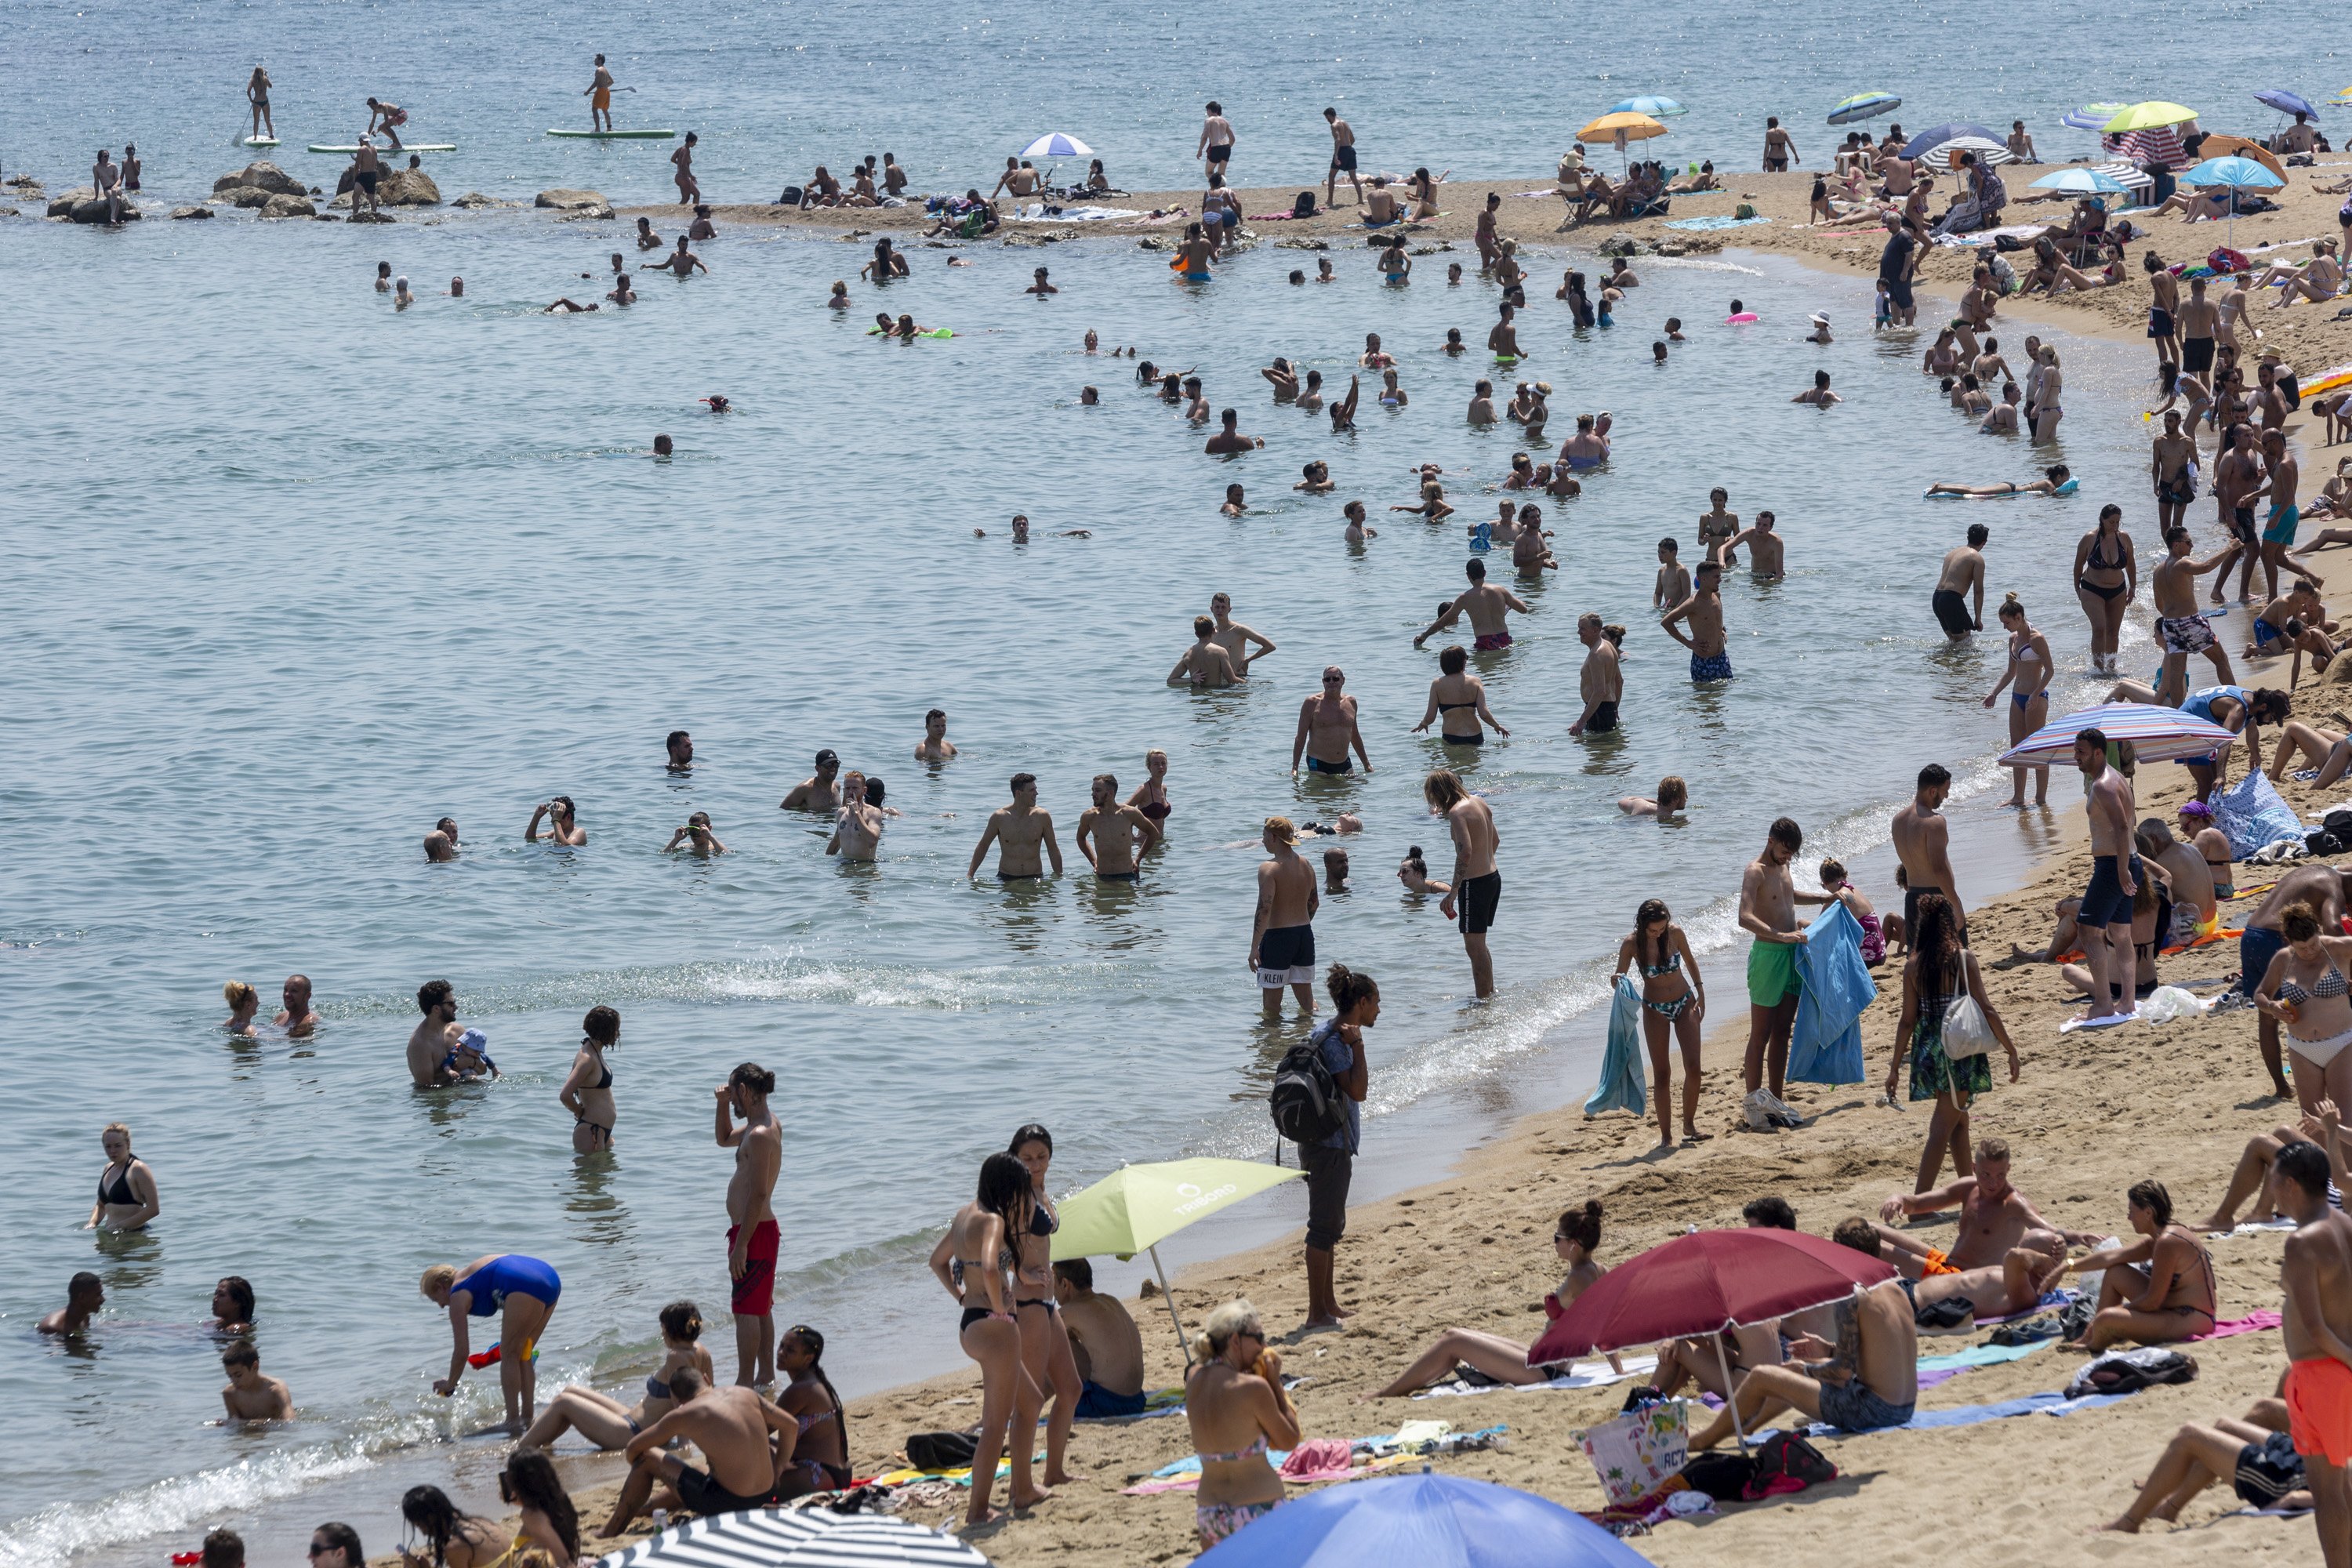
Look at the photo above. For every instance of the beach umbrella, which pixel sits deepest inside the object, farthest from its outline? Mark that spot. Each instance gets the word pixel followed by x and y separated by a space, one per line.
pixel 1428 1521
pixel 1057 144
pixel 1871 105
pixel 1655 107
pixel 2080 182
pixel 1986 149
pixel 1621 126
pixel 2157 734
pixel 2156 145
pixel 2091 116
pixel 1928 140
pixel 1704 1283
pixel 2287 102
pixel 2239 174
pixel 1136 1206
pixel 812 1538
pixel 2149 115
pixel 2217 146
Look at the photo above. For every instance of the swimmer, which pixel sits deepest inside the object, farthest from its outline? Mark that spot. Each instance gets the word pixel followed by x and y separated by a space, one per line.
pixel 1335 870
pixel 935 746
pixel 648 240
pixel 1230 440
pixel 1374 357
pixel 1041 287
pixel 85 1294
pixel 441 843
pixel 1323 273
pixel 569 307
pixel 681 261
pixel 1283 378
pixel 1343 413
pixel 1357 530
pixel 1413 872
pixel 1503 339
pixel 1114 836
pixel 457 289
pixel 818 792
pixel 401 298
pixel 1674 329
pixel 1482 402
pixel 1317 480
pixel 1673 799
pixel 1234 505
pixel 701 228
pixel 1088 397
pixel 563 824
pixel 624 295
pixel 697 836
pixel 1453 344
pixel 1310 395
pixel 1764 547
pixel 1018 830
pixel 298 1018
pixel 2054 477
pixel 1485 605
pixel 1434 507
pixel 1819 395
pixel 243 1002
pixel 662 446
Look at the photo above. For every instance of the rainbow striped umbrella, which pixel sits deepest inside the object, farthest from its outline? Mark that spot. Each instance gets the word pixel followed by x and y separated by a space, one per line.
pixel 2157 734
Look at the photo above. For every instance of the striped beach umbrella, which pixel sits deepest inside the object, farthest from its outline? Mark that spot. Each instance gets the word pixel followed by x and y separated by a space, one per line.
pixel 2157 734
pixel 2157 144
pixel 1057 144
pixel 1871 105
pixel 809 1538
pixel 2080 182
pixel 2092 116
pixel 1656 108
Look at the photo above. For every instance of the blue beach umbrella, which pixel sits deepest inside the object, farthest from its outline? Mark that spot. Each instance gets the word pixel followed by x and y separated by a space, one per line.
pixel 2239 174
pixel 2287 102
pixel 1928 140
pixel 2157 734
pixel 2080 182
pixel 1867 105
pixel 1428 1521
pixel 1655 107
pixel 1057 144
pixel 2091 116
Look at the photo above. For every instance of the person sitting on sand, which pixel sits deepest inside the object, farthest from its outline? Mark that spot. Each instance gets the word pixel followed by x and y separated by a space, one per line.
pixel 745 1442
pixel 454 1538
pixel 1867 1381
pixel 1104 1340
pixel 820 1453
pixel 2055 475
pixel 1495 1360
pixel 604 1420
pixel 1701 1359
pixel 1236 1407
pixel 2158 1289
pixel 1864 912
pixel 1673 800
pixel 1995 1220
pixel 248 1395
pixel 85 1294
pixel 2257 1169
pixel 2255 1455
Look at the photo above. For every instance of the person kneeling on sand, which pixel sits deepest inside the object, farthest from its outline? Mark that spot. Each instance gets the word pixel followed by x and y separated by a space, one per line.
pixel 2158 1289
pixel 1869 1379
pixel 1498 1360
pixel 1105 1343
pixel 731 1427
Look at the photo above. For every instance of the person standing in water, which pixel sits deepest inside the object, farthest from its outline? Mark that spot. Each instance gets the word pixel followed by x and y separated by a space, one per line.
pixel 1112 836
pixel 587 1092
pixel 1018 830
pixel 751 1233
pixel 690 189
pixel 522 1293
pixel 1710 660
pixel 599 93
pixel 127 1199
pixel 1963 575
pixel 2027 680
pixel 1477 885
pixel 1601 682
pixel 1326 728
pixel 1282 934
pixel 256 94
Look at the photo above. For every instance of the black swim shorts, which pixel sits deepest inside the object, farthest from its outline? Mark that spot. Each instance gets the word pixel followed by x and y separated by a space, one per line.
pixel 707 1497
pixel 1475 902
pixel 2196 355
pixel 1344 158
pixel 1952 610
pixel 1604 719
pixel 1898 292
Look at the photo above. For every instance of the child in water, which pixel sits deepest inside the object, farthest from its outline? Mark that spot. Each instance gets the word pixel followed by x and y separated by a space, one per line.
pixel 469 1058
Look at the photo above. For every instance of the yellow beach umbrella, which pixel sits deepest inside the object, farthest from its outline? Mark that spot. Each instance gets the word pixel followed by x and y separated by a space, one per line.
pixel 2149 116
pixel 1620 128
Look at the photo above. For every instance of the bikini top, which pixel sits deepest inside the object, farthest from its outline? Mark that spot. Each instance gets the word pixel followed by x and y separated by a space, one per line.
pixel 2029 654
pixel 2098 563
pixel 1041 1221
pixel 2331 983
pixel 122 1192
pixel 656 1388
pixel 1157 810
pixel 1258 1447
pixel 1450 707
pixel 1673 963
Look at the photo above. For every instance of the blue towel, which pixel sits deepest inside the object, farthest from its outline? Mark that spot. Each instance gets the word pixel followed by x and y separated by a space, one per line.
pixel 1825 1043
pixel 1620 1086
pixel 2253 816
pixel 1719 220
pixel 1981 1356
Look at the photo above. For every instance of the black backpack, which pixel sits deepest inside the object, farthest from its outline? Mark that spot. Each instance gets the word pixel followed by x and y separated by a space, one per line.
pixel 1303 206
pixel 1784 1455
pixel 1304 1100
pixel 939 1450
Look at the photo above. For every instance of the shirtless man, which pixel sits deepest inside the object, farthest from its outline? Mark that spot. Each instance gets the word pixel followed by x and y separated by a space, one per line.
pixel 367 173
pixel 599 93
pixel 563 819
pixel 2179 630
pixel 2196 908
pixel 1601 682
pixel 2001 419
pixel 1673 583
pixel 441 843
pixel 2169 455
pixel 1869 1380
pixel 1281 937
pixel 1995 1217
pixel 935 746
pixel 248 1395
pixel 1113 829
pixel 2316 1273
pixel 1104 1341
pixel 1717 527
pixel 690 189
pixel 1477 885
pixel 1963 575
pixel 1343 159
pixel 856 824
pixel 1018 178
pixel 752 1235
pixel 1327 729
pixel 85 1294
pixel 1819 394
pixel 2327 891
pixel 1019 830
pixel 2278 532
pixel 429 1043
pixel 1485 605
pixel 745 1439
pixel 681 261
pixel 1206 663
pixel 1764 565
pixel 1486 232
pixel 2102 924
pixel 1768 912
pixel 1234 637
pixel 819 791
pixel 2237 485
pixel 1216 148
pixel 1704 611
pixel 392 116
pixel 298 1018
pixel 1923 845
pixel 2200 320
pixel 1230 439
pixel 1503 339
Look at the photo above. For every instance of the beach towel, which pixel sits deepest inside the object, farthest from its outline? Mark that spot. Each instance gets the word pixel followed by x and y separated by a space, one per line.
pixel 1074 215
pixel 1937 1369
pixel 1582 1374
pixel 1620 1086
pixel 2253 816
pixel 2251 1323
pixel 1834 986
pixel 1718 220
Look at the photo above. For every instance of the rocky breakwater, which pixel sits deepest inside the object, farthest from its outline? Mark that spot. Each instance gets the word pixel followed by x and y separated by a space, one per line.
pixel 264 187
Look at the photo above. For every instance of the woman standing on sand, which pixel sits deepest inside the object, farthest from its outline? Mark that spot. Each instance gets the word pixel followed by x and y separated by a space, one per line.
pixel 127 1199
pixel 971 1261
pixel 1938 973
pixel 1576 1238
pixel 2304 989
pixel 1672 996
pixel 1044 1344
pixel 1236 1407
pixel 587 1093
pixel 2027 679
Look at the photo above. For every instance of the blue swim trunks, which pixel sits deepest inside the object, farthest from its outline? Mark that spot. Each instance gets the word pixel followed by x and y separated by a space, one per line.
pixel 1715 669
pixel 2283 521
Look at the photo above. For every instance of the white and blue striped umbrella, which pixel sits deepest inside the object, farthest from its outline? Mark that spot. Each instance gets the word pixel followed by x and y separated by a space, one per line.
pixel 2157 734
pixel 1863 106
pixel 1057 144
pixel 811 1538
pixel 2080 182
pixel 1656 108
pixel 2092 116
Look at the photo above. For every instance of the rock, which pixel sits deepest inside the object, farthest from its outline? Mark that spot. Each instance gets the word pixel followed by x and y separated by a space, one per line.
pixel 371 217
pixel 81 204
pixel 324 217
pixel 63 206
pixel 566 201
pixel 289 204
pixel 411 188
pixel 1152 242
pixel 1617 244
pixel 192 212
pixel 240 196
pixel 473 199
pixel 265 176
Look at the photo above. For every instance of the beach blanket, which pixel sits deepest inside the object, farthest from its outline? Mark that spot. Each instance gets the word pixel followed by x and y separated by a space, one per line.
pixel 2252 815
pixel 1936 1369
pixel 2251 1323
pixel 1582 1374
pixel 1413 1440
pixel 1985 237
pixel 961 1477
pixel 1621 1086
pixel 1074 215
pixel 1834 986
pixel 1718 220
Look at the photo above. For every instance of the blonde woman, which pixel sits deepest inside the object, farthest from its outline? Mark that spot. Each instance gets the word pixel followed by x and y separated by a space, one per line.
pixel 1235 1402
pixel 243 1002
pixel 2027 681
pixel 127 1199
pixel 257 93
pixel 522 1293
pixel 1151 796
pixel 2046 411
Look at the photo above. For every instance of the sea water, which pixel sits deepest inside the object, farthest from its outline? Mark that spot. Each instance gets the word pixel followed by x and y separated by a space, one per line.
pixel 290 575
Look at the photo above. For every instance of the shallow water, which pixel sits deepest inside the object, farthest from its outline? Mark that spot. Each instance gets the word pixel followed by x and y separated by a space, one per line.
pixel 294 574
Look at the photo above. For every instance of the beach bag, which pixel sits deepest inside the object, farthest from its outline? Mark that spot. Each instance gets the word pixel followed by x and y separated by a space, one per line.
pixel 1305 1099
pixel 791 198
pixel 940 1450
pixel 2225 260
pixel 1745 209
pixel 1787 1463
pixel 1303 204
pixel 1966 1031
pixel 1722 1477
pixel 2128 1372
pixel 1638 1452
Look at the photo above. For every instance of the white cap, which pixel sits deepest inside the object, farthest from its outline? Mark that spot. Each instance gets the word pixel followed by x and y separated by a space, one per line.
pixel 1818 320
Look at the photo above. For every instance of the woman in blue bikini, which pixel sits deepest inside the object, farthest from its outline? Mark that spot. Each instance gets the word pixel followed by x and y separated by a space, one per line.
pixel 522 1292
pixel 1672 994
pixel 2027 679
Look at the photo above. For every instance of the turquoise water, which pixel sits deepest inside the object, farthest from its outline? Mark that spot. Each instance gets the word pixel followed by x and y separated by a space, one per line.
pixel 294 575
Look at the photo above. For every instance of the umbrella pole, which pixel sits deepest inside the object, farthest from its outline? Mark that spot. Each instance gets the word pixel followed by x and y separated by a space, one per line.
pixel 1730 1395
pixel 1166 1295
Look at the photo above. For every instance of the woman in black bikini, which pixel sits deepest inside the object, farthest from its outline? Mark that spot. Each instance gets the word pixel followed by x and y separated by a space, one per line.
pixel 1456 692
pixel 127 1199
pixel 2107 580
pixel 588 1092
pixel 972 1262
pixel 1151 796
pixel 820 1453
pixel 1044 1348
pixel 1672 994
pixel 2157 1289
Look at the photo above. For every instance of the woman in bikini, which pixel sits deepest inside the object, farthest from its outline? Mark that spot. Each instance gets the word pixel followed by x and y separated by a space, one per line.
pixel 604 1420
pixel 127 1199
pixel 2157 1289
pixel 1236 1406
pixel 1673 994
pixel 972 1262
pixel 2107 580
pixel 1151 796
pixel 2046 409
pixel 1937 973
pixel 456 1539
pixel 1044 1346
pixel 243 1002
pixel 2055 479
pixel 1456 691
pixel 821 1451
pixel 546 1524
pixel 2027 679
pixel 1421 191
pixel 1492 1357
pixel 2305 990
pixel 587 1093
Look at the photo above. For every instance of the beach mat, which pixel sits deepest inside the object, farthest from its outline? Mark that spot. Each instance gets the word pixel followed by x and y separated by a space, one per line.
pixel 2251 1323
pixel 1718 220
pixel 1582 1374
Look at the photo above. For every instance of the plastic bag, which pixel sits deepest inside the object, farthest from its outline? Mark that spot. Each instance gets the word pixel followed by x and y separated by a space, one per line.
pixel 2166 1002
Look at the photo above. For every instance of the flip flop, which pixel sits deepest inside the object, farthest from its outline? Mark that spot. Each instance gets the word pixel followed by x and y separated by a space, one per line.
pixel 2072 1024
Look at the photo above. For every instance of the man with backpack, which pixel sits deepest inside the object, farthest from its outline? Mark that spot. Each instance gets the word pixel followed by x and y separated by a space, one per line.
pixel 1316 1089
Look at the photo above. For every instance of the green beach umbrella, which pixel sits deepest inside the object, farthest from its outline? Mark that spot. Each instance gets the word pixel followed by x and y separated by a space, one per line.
pixel 2149 116
pixel 1138 1206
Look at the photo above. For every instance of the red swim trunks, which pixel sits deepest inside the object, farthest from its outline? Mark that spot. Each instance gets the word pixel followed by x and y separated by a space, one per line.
pixel 755 1292
pixel 1489 642
pixel 2319 1408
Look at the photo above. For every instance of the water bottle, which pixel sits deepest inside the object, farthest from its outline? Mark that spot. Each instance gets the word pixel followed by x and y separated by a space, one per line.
pixel 661 1519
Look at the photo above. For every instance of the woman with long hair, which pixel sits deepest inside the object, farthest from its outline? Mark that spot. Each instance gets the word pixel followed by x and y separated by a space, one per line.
pixel 457 1539
pixel 1045 1344
pixel 2107 580
pixel 1938 973
pixel 1498 1360
pixel 1237 1408
pixel 1672 996
pixel 973 1261
pixel 2177 1297
pixel 810 1398
pixel 549 1522
pixel 1456 688
pixel 2027 681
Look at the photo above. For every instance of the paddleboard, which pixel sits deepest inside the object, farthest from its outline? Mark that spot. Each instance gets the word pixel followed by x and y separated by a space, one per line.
pixel 615 135
pixel 258 141
pixel 389 152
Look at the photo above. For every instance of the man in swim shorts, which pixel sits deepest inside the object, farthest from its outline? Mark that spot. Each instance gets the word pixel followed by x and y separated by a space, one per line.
pixel 1216 139
pixel 1963 574
pixel 1477 885
pixel 1281 935
pixel 1923 847
pixel 2199 320
pixel 1343 159
pixel 2179 630
pixel 2317 1274
pixel 1895 264
pixel 392 116
pixel 1326 728
pixel 600 99
pixel 1768 912
pixel 1120 835
pixel 752 1231
pixel 735 1430
pixel 1485 605
pixel 2286 479
pixel 1104 1342
pixel 1704 611
pixel 1601 682
pixel 2103 922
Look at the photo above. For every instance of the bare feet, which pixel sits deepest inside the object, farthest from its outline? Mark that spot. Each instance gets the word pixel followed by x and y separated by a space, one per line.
pixel 1040 1496
pixel 1319 1323
pixel 990 1515
pixel 1061 1477
pixel 2128 1524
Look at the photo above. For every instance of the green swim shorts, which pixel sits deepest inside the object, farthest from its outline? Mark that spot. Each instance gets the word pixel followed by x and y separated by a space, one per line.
pixel 1771 974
